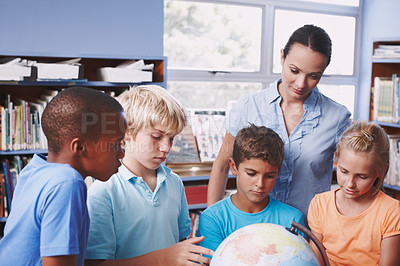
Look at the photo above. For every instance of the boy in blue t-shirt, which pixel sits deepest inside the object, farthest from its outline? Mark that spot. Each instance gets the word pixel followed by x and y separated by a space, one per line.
pixel 140 215
pixel 257 158
pixel 49 222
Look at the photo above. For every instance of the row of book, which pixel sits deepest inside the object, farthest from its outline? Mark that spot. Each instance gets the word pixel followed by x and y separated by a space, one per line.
pixel 386 104
pixel 393 176
pixel 11 169
pixel 20 123
pixel 195 222
pixel 387 51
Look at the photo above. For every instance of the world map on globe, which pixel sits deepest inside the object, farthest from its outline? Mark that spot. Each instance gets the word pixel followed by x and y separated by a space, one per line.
pixel 264 244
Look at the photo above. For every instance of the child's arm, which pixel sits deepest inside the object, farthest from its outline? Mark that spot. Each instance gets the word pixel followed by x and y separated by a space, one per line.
pixel 390 251
pixel 183 253
pixel 219 172
pixel 67 260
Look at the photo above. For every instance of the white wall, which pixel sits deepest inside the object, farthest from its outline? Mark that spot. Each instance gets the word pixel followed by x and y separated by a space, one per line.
pixel 82 27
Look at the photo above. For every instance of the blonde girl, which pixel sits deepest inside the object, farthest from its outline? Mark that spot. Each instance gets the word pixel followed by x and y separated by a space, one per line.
pixel 357 223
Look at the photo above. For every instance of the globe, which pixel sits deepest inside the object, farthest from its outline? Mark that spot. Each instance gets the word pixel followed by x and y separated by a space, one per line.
pixel 264 244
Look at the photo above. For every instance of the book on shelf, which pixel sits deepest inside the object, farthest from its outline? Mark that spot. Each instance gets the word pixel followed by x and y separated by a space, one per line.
pixel 20 123
pixel 396 95
pixel 393 175
pixel 11 169
pixel 36 111
pixel 8 182
pixel 18 163
pixel 387 51
pixel 21 126
pixel 3 202
pixel 195 222
pixel 9 119
pixel 196 194
pixel 386 99
pixel 50 92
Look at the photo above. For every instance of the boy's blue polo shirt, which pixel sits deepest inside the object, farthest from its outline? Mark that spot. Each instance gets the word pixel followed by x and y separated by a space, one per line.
pixel 48 215
pixel 223 218
pixel 129 220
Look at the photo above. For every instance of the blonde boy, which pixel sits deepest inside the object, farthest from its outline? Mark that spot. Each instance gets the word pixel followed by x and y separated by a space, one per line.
pixel 143 207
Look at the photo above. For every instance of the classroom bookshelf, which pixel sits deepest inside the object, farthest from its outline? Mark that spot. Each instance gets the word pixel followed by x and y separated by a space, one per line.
pixel 385 103
pixel 36 88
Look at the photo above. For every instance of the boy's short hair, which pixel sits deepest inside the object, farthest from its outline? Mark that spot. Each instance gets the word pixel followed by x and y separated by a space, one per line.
pixel 258 142
pixel 77 112
pixel 148 105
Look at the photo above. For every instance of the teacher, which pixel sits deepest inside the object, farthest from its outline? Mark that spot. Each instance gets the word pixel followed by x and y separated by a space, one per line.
pixel 309 123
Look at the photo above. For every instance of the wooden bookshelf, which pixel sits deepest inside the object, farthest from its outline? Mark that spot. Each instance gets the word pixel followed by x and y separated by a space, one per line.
pixel 30 89
pixel 385 66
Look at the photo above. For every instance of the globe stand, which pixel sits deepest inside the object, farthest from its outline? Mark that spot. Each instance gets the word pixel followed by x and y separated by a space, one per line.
pixel 309 234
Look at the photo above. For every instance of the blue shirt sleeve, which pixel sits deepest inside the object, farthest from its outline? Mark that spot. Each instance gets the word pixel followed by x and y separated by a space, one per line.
pixel 63 218
pixel 210 229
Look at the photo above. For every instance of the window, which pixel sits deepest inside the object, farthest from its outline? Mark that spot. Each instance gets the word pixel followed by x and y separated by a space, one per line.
pixel 341 29
pixel 337 2
pixel 205 36
pixel 210 95
pixel 219 50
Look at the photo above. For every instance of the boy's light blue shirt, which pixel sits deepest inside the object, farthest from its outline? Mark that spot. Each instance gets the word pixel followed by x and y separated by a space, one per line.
pixel 220 220
pixel 129 220
pixel 48 215
pixel 308 159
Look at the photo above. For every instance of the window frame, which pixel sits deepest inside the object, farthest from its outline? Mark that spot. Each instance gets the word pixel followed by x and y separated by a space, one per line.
pixel 265 75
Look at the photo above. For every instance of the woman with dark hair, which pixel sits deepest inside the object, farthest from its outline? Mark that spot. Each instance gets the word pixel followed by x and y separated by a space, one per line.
pixel 309 123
